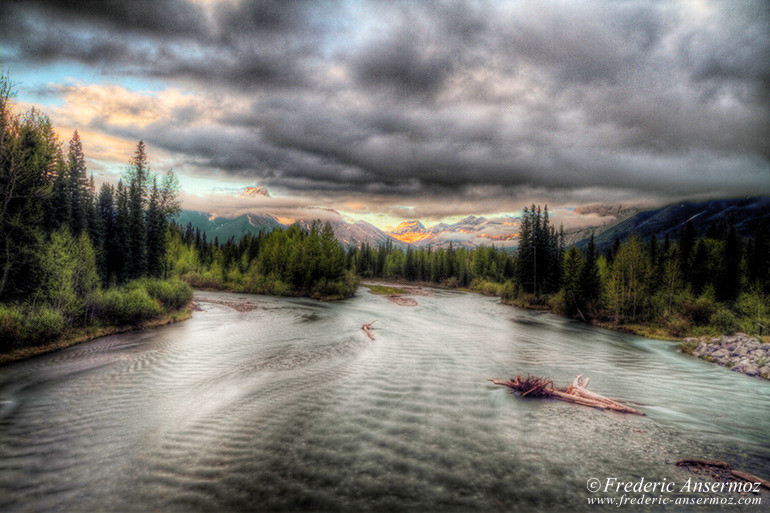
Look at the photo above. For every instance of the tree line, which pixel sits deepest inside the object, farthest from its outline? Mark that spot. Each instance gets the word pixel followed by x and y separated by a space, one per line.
pixel 719 281
pixel 292 261
pixel 68 256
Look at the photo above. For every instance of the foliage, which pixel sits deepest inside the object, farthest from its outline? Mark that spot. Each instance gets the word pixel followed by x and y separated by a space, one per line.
pixel 21 326
pixel 61 243
pixel 171 294
pixel 383 290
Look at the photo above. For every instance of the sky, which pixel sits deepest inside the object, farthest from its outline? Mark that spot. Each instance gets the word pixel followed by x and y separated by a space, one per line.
pixel 395 110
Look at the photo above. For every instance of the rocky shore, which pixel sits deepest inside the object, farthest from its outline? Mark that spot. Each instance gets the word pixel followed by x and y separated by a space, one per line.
pixel 737 352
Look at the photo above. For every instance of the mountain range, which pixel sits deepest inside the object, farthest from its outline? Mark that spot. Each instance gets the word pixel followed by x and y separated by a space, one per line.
pixel 224 228
pixel 607 222
pixel 746 213
pixel 469 232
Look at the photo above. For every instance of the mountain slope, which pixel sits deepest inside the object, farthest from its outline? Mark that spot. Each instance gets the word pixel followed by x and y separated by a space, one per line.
pixel 223 228
pixel 747 213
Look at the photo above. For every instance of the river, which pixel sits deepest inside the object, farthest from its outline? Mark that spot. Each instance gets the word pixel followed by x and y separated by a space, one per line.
pixel 291 407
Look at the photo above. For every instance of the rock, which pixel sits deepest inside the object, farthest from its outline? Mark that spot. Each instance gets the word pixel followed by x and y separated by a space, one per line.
pixel 765 372
pixel 721 353
pixel 691 340
pixel 739 351
pixel 753 344
pixel 747 368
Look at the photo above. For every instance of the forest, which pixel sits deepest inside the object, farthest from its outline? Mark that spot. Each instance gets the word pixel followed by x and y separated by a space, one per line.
pixel 717 283
pixel 74 258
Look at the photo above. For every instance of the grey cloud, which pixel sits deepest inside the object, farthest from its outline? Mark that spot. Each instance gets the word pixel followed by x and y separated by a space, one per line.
pixel 584 100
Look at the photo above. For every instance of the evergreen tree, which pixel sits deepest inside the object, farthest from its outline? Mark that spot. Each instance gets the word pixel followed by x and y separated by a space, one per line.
pixel 111 251
pixel 156 233
pixel 123 233
pixel 573 269
pixel 77 185
pixel 686 245
pixel 590 283
pixel 24 187
pixel 728 282
pixel 137 175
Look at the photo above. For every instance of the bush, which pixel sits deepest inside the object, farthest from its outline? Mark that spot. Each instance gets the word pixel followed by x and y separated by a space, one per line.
pixel 699 312
pixel 20 327
pixel 124 305
pixel 485 287
pixel 558 303
pixel 171 294
pixel 678 326
pixel 325 289
pixel 507 290
pixel 751 304
pixel 11 326
pixel 724 320
pixel 43 324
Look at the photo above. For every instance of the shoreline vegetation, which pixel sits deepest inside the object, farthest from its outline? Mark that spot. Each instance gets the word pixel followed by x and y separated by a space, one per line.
pixel 75 336
pixel 77 263
pixel 74 259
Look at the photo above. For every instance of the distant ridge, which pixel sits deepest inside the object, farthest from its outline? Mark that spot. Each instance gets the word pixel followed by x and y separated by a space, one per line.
pixel 748 214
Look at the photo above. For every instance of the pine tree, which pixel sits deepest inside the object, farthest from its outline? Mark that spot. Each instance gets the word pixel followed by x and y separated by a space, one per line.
pixel 573 267
pixel 686 245
pixel 110 263
pixel 138 175
pixel 590 282
pixel 728 281
pixel 77 185
pixel 24 187
pixel 123 233
pixel 156 232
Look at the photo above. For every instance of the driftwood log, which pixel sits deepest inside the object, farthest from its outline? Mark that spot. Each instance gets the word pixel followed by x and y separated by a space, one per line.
pixel 575 393
pixel 720 470
pixel 751 478
pixel 367 327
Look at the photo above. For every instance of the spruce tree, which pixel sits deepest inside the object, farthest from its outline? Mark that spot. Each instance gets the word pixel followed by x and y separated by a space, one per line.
pixel 137 174
pixel 156 232
pixel 110 263
pixel 123 232
pixel 77 185
pixel 590 282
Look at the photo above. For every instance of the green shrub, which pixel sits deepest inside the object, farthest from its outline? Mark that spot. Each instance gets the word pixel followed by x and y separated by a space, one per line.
pixel 11 326
pixel 699 312
pixel 724 320
pixel 678 326
pixel 43 324
pixel 559 305
pixel 124 305
pixel 485 287
pixel 751 304
pixel 507 290
pixel 21 326
pixel 171 294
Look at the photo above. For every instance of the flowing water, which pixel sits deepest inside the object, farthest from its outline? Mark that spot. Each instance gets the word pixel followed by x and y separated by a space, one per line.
pixel 290 407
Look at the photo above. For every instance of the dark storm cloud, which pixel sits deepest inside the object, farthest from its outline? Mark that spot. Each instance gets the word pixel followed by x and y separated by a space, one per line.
pixel 583 100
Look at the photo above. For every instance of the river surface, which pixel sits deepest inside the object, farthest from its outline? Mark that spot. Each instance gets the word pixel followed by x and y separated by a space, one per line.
pixel 291 407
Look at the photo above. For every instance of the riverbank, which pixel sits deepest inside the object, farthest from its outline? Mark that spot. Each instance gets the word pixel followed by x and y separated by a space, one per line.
pixel 737 352
pixel 79 335
pixel 650 331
